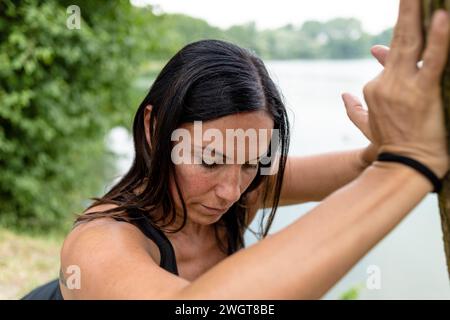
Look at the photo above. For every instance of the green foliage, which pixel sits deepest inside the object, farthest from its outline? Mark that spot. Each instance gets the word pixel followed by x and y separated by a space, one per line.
pixel 335 39
pixel 61 90
pixel 352 294
pixel 177 30
pixel 345 39
pixel 383 38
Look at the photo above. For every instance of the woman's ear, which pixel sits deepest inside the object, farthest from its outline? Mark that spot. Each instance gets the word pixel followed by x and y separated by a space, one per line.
pixel 147 113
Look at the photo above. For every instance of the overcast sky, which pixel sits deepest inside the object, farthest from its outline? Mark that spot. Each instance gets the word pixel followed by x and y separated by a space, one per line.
pixel 376 15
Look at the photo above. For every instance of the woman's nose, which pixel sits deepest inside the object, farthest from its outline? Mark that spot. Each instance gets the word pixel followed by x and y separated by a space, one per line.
pixel 229 188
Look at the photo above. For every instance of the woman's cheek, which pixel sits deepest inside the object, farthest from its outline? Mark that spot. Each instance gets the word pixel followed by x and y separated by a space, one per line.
pixel 200 178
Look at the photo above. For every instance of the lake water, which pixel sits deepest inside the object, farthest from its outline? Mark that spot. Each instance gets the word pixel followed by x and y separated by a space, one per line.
pixel 410 259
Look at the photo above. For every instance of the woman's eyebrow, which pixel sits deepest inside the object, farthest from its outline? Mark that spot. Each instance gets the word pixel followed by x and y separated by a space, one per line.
pixel 218 153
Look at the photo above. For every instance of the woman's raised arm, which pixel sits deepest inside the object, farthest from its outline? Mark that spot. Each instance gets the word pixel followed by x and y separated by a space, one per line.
pixel 305 259
pixel 314 177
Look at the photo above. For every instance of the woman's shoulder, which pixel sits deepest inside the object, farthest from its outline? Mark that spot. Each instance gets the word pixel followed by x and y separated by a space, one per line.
pixel 103 227
pixel 93 245
pixel 111 258
pixel 110 230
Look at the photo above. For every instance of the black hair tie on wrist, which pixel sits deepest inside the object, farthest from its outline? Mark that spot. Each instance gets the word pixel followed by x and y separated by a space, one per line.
pixel 386 156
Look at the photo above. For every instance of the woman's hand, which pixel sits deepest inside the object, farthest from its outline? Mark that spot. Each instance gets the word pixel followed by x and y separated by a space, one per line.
pixel 405 113
pixel 404 78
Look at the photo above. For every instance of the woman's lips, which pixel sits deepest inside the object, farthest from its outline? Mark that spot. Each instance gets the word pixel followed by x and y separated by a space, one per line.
pixel 215 210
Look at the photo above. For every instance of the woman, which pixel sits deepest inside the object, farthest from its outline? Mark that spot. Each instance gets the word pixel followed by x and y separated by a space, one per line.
pixel 173 229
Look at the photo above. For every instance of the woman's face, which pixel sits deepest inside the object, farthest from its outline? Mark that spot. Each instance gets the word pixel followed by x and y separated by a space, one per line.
pixel 217 168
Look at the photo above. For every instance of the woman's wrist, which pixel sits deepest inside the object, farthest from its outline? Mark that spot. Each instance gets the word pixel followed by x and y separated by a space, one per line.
pixel 414 164
pixel 400 171
pixel 438 164
pixel 366 156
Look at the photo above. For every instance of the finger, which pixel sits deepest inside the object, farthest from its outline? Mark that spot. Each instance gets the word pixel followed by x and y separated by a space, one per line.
pixel 380 53
pixel 351 101
pixel 435 55
pixel 406 42
pixel 357 114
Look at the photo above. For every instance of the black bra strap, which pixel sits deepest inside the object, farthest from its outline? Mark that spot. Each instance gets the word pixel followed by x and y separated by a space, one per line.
pixel 168 260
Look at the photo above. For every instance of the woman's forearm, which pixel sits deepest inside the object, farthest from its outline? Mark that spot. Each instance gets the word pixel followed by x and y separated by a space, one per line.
pixel 305 259
pixel 313 178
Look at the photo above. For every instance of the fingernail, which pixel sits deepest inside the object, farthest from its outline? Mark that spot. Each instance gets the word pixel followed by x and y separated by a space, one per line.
pixel 375 47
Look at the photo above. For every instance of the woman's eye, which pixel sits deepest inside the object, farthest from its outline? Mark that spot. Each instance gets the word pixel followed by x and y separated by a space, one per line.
pixel 212 164
pixel 209 164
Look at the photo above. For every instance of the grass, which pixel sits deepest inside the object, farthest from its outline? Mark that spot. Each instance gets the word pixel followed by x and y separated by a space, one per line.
pixel 26 262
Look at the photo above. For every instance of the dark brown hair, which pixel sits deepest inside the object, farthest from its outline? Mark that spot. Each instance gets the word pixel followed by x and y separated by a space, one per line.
pixel 205 80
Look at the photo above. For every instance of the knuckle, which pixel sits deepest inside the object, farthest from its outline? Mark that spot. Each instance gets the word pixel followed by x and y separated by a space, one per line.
pixel 405 41
pixel 369 89
pixel 386 93
pixel 392 91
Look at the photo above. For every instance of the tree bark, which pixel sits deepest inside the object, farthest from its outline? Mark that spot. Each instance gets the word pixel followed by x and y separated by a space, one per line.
pixel 428 7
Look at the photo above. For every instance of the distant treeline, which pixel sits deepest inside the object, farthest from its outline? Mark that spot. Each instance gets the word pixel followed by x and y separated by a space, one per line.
pixel 340 38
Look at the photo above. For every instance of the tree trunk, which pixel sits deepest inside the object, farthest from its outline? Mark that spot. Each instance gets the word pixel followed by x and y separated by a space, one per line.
pixel 428 7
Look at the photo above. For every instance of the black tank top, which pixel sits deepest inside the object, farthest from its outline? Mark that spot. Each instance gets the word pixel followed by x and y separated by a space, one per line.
pixel 168 261
pixel 51 291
